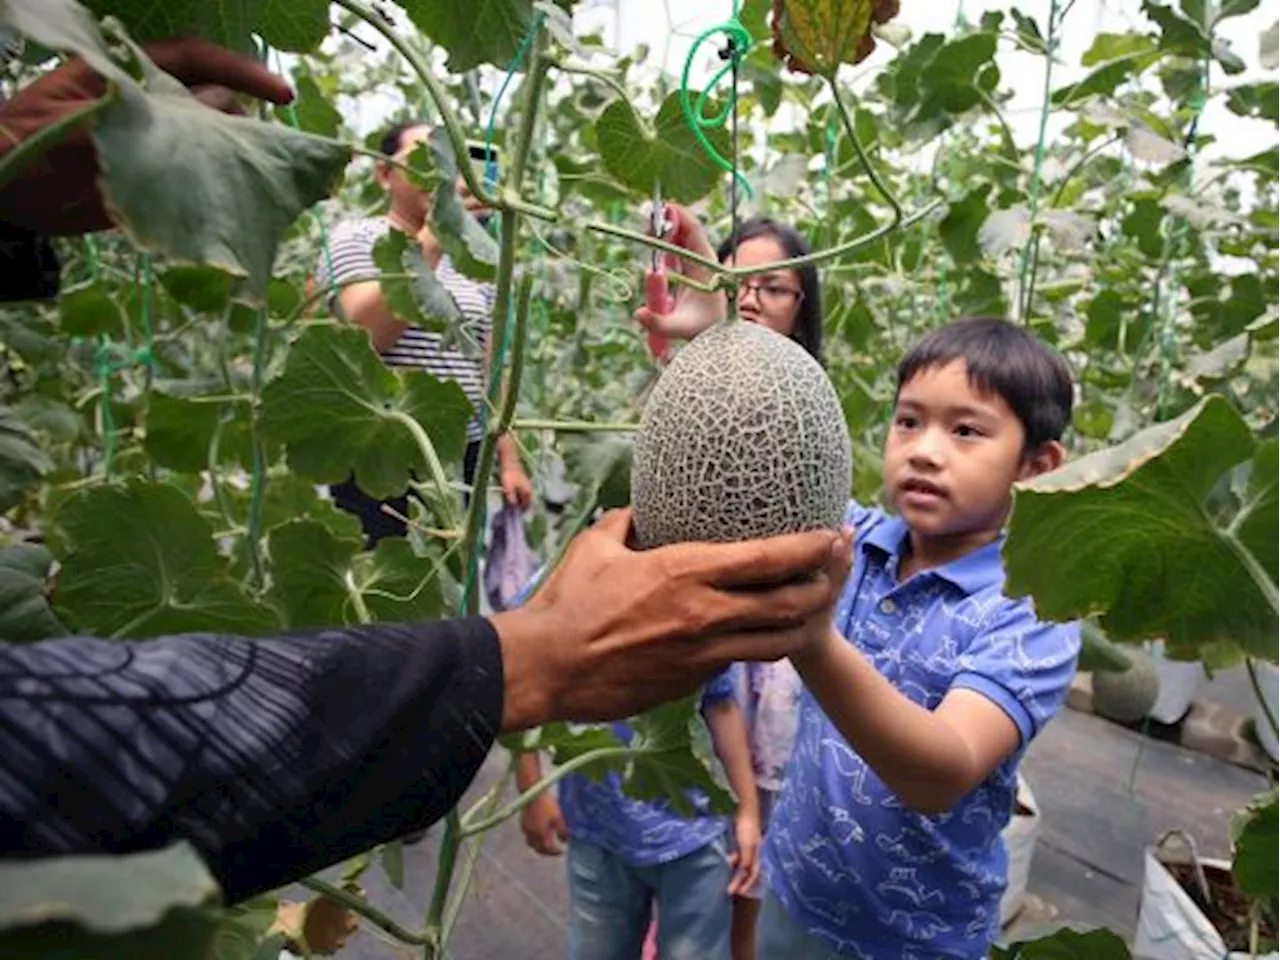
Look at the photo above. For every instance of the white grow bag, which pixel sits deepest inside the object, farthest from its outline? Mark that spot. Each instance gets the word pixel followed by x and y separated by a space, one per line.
pixel 1170 924
pixel 1020 843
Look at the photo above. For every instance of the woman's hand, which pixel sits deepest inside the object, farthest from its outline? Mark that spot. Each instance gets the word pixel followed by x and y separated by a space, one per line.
pixel 694 310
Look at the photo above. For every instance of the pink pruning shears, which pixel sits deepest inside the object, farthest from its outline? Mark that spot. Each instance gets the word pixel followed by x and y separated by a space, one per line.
pixel 657 294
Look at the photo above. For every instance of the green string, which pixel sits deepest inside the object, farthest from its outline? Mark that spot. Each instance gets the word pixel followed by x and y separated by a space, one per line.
pixel 694 113
pixel 495 383
pixel 110 358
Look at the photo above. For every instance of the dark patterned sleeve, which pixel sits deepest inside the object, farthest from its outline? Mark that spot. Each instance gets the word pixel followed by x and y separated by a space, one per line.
pixel 29 268
pixel 274 757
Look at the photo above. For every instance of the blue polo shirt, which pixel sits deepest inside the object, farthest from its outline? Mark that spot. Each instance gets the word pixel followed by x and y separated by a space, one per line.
pixel 642 832
pixel 862 873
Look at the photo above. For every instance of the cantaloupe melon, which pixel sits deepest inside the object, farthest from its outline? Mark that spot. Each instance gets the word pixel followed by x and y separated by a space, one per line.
pixel 743 436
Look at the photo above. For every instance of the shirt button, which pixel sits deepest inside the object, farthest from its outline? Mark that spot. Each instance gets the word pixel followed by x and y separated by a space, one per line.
pixel 887 606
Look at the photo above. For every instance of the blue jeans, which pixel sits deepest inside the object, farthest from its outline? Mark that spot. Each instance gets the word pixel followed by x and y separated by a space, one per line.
pixel 781 938
pixel 611 902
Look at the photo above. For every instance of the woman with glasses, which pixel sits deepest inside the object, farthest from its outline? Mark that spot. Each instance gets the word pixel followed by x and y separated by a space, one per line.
pixel 788 302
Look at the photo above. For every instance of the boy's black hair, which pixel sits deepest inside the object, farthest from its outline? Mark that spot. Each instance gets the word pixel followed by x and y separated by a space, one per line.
pixel 1005 360
pixel 808 332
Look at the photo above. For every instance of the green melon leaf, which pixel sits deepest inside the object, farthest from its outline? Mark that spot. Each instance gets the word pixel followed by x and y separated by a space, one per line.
pixel 310 110
pixel 87 310
pixel 671 155
pixel 1112 46
pixel 1067 944
pixel 180 432
pixel 78 907
pixel 294 25
pixel 1256 100
pixel 1134 540
pixel 959 228
pixel 25 615
pixel 473 252
pixel 668 766
pixel 950 81
pixel 423 301
pixel 1255 840
pixel 141 562
pixel 823 34
pixel 1256 523
pixel 203 187
pixel 323 579
pixel 287 498
pixel 474 32
pixel 205 289
pixel 21 461
pixel 1141 53
pixel 335 407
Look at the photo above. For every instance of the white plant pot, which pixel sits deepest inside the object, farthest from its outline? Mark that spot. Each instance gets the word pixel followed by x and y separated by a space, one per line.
pixel 1269 681
pixel 1180 680
pixel 1170 924
pixel 1019 840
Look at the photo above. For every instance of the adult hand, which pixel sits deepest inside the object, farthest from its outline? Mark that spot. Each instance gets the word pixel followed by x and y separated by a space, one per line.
pixel 542 822
pixel 57 193
pixel 694 310
pixel 615 631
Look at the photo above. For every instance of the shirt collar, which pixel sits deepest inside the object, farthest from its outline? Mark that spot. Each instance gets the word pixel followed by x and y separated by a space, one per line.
pixel 971 573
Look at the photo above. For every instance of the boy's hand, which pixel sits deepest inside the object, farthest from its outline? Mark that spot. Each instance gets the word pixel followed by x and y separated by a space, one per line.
pixel 746 858
pixel 543 824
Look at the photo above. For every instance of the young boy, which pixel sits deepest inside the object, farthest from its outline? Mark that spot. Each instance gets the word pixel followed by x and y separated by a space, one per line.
pixel 919 705
pixel 628 857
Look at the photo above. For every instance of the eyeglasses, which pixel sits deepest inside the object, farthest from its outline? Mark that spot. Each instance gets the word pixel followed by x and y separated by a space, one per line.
pixel 772 296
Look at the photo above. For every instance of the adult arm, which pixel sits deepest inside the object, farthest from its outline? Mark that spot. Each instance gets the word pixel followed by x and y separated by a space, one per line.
pixel 274 757
pixel 278 756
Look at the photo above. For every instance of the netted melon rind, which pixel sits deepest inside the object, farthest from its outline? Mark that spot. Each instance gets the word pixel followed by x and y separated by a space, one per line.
pixel 742 437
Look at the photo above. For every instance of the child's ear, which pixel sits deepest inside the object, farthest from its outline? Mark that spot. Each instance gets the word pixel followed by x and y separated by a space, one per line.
pixel 1047 457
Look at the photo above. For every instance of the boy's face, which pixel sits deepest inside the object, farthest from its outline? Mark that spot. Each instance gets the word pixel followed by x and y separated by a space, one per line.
pixel 952 454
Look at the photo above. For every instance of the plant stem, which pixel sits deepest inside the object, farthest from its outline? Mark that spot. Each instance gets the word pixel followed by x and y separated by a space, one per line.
pixel 452 126
pixel 473 851
pixel 852 134
pixel 1033 199
pixel 1257 692
pixel 550 780
pixel 511 392
pixel 329 289
pixel 582 70
pixel 438 477
pixel 449 844
pixel 48 137
pixel 361 907
pixel 574 426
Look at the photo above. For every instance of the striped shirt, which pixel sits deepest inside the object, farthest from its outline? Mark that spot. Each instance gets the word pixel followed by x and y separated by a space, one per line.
pixel 350 249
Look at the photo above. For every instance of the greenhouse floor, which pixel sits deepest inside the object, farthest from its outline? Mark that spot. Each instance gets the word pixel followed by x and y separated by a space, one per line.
pixel 1105 793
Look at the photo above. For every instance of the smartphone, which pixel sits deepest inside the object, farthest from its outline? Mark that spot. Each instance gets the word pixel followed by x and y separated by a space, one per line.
pixel 479 164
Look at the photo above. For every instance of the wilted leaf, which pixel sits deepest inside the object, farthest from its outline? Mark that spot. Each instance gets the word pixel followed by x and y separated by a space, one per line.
pixel 1066 944
pixel 337 408
pixel 21 461
pixel 77 906
pixel 1148 558
pixel 1102 114
pixel 672 155
pixel 141 562
pixel 473 31
pixel 816 36
pixel 1198 211
pixel 25 615
pixel 559 23
pixel 1005 230
pixel 1147 145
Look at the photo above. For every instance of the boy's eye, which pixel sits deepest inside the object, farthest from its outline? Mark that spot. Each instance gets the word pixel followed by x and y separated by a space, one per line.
pixel 905 421
pixel 968 430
